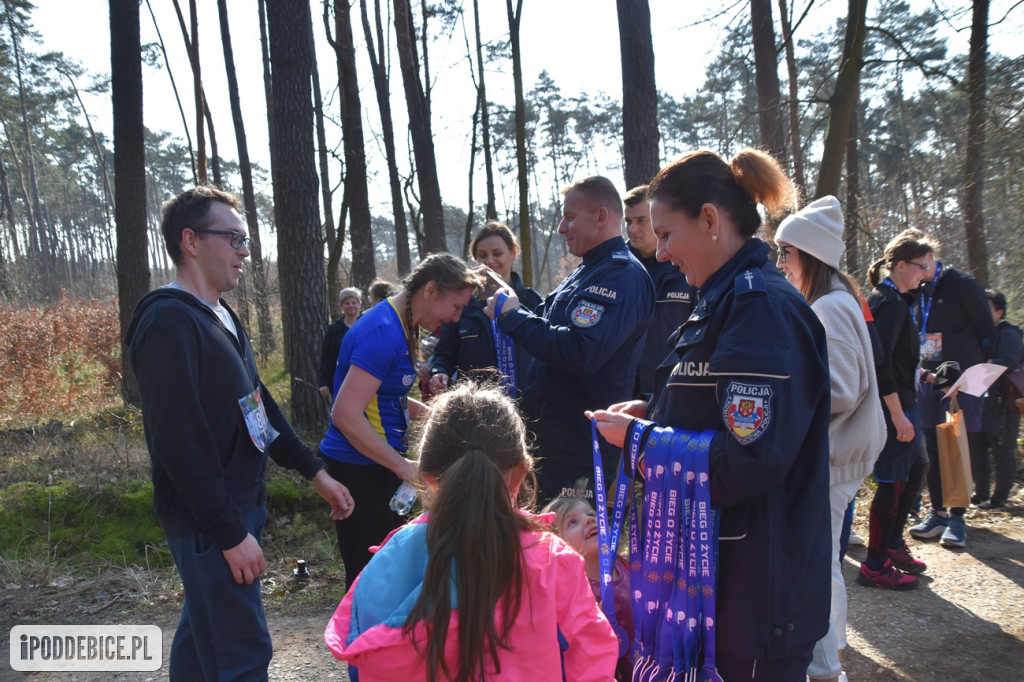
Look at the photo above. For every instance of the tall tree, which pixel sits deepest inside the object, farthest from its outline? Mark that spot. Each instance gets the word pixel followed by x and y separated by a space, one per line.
pixel 974 170
pixel 431 208
pixel 267 343
pixel 356 191
pixel 268 85
pixel 326 190
pixel 380 86
pixel 129 170
pixel 854 224
pixel 514 18
pixel 296 206
pixel 202 102
pixel 192 45
pixel 38 231
pixel 766 76
pixel 491 210
pixel 843 100
pixel 795 145
pixel 639 93
pixel 174 89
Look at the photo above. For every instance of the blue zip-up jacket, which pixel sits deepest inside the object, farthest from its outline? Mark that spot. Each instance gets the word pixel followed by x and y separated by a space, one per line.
pixel 586 341
pixel 751 364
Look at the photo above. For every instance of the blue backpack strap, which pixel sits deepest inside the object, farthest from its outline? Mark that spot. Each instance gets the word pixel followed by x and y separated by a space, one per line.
pixel 563 645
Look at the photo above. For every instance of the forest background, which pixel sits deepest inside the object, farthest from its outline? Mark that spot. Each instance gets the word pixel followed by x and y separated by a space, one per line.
pixel 366 134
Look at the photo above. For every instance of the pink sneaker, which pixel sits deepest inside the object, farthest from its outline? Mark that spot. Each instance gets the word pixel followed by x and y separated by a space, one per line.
pixel 888 577
pixel 901 559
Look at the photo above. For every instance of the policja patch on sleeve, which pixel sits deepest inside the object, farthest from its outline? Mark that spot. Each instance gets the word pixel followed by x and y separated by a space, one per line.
pixel 747 410
pixel 586 314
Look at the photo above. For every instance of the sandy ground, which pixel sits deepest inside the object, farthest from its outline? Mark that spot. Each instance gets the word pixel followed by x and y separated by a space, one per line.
pixel 965 621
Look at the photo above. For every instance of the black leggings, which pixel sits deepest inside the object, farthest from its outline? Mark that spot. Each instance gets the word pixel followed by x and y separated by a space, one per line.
pixel 889 510
pixel 371 520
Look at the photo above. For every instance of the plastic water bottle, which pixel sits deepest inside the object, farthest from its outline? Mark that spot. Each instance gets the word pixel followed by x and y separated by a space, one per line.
pixel 403 499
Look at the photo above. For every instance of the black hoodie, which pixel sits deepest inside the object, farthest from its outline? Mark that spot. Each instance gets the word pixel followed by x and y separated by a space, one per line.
pixel 207 472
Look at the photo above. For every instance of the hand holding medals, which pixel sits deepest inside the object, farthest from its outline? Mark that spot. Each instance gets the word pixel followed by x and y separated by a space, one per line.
pixel 672 559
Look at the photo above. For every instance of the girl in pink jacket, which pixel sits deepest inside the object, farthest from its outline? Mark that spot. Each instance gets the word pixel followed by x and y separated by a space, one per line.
pixel 476 589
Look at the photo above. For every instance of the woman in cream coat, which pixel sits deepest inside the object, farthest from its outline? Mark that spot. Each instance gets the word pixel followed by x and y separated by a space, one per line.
pixel 810 243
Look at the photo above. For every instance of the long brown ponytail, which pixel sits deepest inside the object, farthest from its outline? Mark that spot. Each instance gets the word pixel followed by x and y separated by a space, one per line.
pixel 473 439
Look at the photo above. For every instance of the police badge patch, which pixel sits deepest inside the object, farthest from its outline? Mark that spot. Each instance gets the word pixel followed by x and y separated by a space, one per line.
pixel 586 314
pixel 747 410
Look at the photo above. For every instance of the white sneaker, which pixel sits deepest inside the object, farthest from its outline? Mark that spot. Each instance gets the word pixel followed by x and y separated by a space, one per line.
pixel 842 677
pixel 854 540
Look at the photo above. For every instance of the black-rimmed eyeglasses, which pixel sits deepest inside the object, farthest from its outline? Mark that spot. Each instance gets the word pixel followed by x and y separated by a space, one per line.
pixel 784 252
pixel 237 239
pixel 926 267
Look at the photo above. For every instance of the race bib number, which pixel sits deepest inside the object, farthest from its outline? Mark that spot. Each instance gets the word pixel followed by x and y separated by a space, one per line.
pixel 260 430
pixel 931 347
pixel 747 410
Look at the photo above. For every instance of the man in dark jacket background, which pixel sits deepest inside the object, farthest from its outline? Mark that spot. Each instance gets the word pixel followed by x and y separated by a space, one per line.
pixel 673 295
pixel 956 325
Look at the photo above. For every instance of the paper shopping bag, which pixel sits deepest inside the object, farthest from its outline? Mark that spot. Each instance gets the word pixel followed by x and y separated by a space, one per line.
pixel 955 459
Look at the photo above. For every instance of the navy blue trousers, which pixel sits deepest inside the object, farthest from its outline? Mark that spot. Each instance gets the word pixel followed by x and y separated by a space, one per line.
pixel 222 634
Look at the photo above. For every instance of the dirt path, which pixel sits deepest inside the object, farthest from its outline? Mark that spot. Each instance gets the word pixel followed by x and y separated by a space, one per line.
pixel 965 622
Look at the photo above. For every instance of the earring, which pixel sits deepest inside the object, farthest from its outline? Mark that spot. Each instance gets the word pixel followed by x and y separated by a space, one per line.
pixel 714 236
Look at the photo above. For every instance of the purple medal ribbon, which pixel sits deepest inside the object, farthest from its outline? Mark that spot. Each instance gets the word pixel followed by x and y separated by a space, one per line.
pixel 638 432
pixel 674 580
pixel 503 349
pixel 702 547
pixel 673 541
pixel 705 523
pixel 651 592
pixel 608 538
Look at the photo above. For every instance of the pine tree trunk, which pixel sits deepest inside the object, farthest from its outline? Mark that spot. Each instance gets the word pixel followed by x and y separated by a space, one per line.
pixel 431 208
pixel 356 191
pixel 766 76
pixel 129 171
pixel 177 97
pixel 795 144
pixel 267 343
pixel 854 225
pixel 326 193
pixel 491 212
pixel 843 101
pixel 974 171
pixel 524 185
pixel 296 207
pixel 639 93
pixel 380 85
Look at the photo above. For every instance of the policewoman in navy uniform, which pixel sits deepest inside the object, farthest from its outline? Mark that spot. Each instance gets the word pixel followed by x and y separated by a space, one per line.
pixel 469 344
pixel 586 338
pixel 750 364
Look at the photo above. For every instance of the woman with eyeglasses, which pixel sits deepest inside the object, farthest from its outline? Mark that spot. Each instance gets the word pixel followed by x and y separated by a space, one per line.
pixel 899 471
pixel 810 244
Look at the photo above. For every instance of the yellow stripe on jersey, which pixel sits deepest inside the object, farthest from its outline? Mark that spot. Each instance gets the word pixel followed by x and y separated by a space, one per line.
pixel 372 413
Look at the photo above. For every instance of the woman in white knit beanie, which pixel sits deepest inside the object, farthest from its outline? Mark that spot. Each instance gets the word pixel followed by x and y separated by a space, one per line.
pixel 810 243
